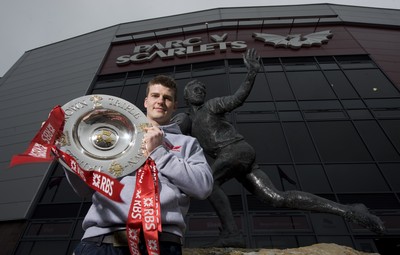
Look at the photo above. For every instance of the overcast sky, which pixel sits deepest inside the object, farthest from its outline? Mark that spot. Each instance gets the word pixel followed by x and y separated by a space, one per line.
pixel 28 24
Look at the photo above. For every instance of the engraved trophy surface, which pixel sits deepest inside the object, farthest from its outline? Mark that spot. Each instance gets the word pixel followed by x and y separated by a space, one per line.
pixel 104 133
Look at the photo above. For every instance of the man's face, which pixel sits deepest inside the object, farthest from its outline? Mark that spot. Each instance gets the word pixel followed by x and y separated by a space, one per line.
pixel 160 104
pixel 195 94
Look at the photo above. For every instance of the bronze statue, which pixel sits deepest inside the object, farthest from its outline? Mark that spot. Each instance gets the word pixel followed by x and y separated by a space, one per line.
pixel 235 158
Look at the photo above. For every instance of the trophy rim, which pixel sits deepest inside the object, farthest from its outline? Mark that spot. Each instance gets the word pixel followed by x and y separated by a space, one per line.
pixel 104 133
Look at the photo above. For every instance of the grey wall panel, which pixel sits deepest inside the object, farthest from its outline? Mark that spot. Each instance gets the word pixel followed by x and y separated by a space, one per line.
pixel 42 78
pixel 226 13
pixel 345 13
pixel 367 15
pixel 14 211
pixel 23 172
pixel 16 195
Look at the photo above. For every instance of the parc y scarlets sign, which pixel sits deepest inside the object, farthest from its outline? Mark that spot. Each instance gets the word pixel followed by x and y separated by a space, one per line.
pixel 195 46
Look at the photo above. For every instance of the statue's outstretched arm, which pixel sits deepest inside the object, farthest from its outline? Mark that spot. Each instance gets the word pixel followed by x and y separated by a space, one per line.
pixel 229 103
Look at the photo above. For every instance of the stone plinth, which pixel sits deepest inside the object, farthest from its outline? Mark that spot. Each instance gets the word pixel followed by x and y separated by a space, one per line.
pixel 316 249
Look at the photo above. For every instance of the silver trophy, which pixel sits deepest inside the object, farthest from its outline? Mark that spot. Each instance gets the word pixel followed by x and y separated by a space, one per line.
pixel 104 133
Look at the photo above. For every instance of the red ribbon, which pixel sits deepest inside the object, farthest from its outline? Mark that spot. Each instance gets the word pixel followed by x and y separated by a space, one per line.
pixel 144 213
pixel 40 148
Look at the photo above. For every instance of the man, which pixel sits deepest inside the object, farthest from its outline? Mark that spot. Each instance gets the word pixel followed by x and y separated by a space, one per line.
pixel 235 158
pixel 183 173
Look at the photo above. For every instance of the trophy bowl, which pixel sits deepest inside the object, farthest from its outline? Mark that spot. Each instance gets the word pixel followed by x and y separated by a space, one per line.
pixel 104 133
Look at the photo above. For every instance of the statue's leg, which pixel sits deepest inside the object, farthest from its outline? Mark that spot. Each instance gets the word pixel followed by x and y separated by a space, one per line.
pixel 220 202
pixel 259 184
pixel 230 163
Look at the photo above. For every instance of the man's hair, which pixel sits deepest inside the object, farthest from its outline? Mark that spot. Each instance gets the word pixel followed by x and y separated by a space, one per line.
pixel 164 80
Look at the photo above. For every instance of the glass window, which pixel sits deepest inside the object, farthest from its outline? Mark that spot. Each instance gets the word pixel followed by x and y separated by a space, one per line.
pixel 208 68
pixel 299 64
pixel 49 248
pixel 392 128
pixel 372 201
pixel 183 73
pixel 376 141
pixel 262 241
pixel 356 178
pixel 115 91
pixel 272 64
pixel 49 229
pixel 112 80
pixel 288 222
pixel 371 83
pixel 290 116
pixel 287 106
pixel 70 210
pixel 202 224
pixel 268 141
pixel 338 141
pixel 340 84
pixel 59 190
pixel 150 73
pixel 383 103
pixel 325 223
pixel 353 61
pixel 237 66
pixel 260 90
pixel 134 78
pixel 256 107
pixel 313 179
pixel 320 105
pixel 392 174
pixel 24 248
pixel 327 63
pixel 310 85
pixel 306 240
pixel 324 115
pixel 359 114
pixel 279 86
pixel 216 85
pixel 287 177
pixel 353 104
pixel 386 114
pixel 130 94
pixel 300 143
pixel 256 116
pixel 283 242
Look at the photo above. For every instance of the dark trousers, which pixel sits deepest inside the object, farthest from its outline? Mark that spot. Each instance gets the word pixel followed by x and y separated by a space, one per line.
pixel 93 248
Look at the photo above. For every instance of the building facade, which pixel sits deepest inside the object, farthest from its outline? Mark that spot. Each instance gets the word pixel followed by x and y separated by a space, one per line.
pixel 323 117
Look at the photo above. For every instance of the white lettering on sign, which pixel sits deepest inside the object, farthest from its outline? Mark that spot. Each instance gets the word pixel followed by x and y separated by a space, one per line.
pixel 180 48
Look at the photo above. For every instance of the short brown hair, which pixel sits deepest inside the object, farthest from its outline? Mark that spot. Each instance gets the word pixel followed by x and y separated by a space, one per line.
pixel 164 80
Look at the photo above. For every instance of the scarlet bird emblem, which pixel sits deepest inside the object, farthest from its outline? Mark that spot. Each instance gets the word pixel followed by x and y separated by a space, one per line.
pixel 295 41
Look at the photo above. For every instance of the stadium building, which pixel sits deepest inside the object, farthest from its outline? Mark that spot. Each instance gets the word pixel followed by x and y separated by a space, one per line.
pixel 323 116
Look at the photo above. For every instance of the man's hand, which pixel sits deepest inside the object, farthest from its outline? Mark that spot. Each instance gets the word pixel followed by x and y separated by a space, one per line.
pixel 153 138
pixel 251 60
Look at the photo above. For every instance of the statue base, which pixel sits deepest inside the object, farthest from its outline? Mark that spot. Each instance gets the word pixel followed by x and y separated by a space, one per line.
pixel 315 249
